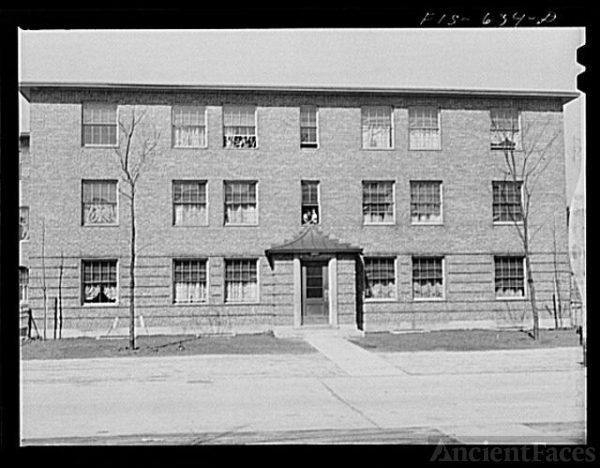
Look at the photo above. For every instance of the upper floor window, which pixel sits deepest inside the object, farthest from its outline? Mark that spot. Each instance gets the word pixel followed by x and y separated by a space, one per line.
pixel 509 277
pixel 99 124
pixel 378 202
pixel 189 203
pixel 505 129
pixel 310 202
pixel 240 203
pixel 239 127
pixel 99 281
pixel 99 202
pixel 23 223
pixel 381 278
pixel 424 128
pixel 189 127
pixel 376 127
pixel 506 205
pixel 308 127
pixel 189 281
pixel 426 202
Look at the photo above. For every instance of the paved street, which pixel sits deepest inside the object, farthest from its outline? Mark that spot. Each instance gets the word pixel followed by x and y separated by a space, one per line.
pixel 341 394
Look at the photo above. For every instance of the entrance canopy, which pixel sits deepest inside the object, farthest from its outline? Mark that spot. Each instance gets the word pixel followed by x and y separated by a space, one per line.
pixel 312 241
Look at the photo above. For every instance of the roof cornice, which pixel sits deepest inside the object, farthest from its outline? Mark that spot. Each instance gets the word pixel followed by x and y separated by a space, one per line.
pixel 564 96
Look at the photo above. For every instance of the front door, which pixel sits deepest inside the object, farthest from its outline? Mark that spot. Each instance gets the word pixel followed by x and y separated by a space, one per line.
pixel 315 292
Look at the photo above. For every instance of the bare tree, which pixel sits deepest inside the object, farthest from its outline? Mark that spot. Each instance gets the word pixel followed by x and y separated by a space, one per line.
pixel 526 158
pixel 138 139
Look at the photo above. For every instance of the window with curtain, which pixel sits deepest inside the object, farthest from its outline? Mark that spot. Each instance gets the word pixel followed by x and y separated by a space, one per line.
pixel 377 127
pixel 189 281
pixel 505 129
pixel 424 128
pixel 506 205
pixel 241 281
pixel 23 223
pixel 509 277
pixel 378 202
pixel 99 203
pixel 240 203
pixel 23 284
pixel 308 127
pixel 99 281
pixel 310 202
pixel 189 127
pixel 426 202
pixel 381 278
pixel 427 277
pixel 99 124
pixel 239 127
pixel 189 203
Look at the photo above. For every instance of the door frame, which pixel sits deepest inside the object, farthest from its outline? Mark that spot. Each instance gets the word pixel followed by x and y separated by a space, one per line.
pixel 298 294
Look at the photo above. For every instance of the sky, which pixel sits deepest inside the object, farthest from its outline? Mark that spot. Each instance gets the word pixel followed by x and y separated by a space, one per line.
pixel 468 58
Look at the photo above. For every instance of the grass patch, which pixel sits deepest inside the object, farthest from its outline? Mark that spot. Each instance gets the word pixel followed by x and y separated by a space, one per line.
pixel 466 340
pixel 161 345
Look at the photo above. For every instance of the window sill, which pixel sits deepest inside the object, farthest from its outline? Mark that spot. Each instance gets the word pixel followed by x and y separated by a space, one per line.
pixel 507 223
pixel 511 298
pixel 240 303
pixel 240 225
pixel 425 223
pixel 95 305
pixel 429 299
pixel 188 304
pixel 391 223
pixel 380 301
pixel 112 146
pixel 377 149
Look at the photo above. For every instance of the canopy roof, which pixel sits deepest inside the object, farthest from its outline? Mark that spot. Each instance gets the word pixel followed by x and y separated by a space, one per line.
pixel 311 240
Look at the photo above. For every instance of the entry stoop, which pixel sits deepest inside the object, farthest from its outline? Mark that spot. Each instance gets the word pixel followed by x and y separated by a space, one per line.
pixel 318 330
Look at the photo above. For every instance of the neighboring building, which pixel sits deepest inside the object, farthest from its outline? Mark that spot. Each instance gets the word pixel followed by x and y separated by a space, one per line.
pixel 280 207
pixel 24 172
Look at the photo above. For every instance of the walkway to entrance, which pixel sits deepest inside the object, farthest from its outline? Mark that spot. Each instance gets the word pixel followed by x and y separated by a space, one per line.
pixel 353 359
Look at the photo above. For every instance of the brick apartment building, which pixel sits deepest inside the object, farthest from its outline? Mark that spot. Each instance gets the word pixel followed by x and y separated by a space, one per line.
pixel 267 208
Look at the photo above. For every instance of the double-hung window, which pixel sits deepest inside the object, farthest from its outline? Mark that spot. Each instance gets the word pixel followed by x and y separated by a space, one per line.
pixel 310 202
pixel 428 278
pixel 241 203
pixel 99 124
pixel 99 202
pixel 426 202
pixel 509 277
pixel 99 283
pixel 505 129
pixel 378 202
pixel 380 275
pixel 308 127
pixel 189 203
pixel 239 127
pixel 24 223
pixel 189 127
pixel 189 281
pixel 23 284
pixel 424 128
pixel 241 280
pixel 507 201
pixel 376 127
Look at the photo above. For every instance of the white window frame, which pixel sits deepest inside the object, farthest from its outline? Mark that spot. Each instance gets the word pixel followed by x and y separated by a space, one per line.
pixel 193 259
pixel 508 222
pixel 116 223
pixel 189 106
pixel 82 286
pixel 188 181
pixel 395 289
pixel 519 132
pixel 227 224
pixel 23 287
pixel 428 223
pixel 28 224
pixel 383 223
pixel 234 259
pixel 317 142
pixel 253 106
pixel 444 279
pixel 392 133
pixel 83 124
pixel 525 295
pixel 319 214
pixel 439 128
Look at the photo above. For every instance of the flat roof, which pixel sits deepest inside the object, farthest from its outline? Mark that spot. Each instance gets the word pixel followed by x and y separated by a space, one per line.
pixel 563 96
